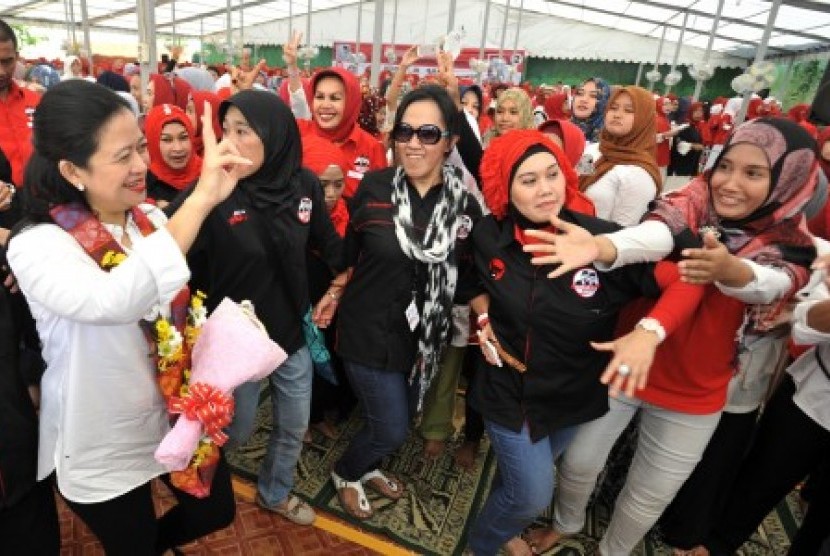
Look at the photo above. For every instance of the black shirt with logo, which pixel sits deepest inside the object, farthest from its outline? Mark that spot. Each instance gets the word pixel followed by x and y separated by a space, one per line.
pixel 548 324
pixel 372 325
pixel 232 257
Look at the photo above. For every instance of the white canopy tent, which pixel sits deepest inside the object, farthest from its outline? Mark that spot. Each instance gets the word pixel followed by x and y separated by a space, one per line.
pixel 597 29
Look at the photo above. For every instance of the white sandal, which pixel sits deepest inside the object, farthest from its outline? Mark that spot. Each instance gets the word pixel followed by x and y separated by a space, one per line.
pixel 394 486
pixel 363 503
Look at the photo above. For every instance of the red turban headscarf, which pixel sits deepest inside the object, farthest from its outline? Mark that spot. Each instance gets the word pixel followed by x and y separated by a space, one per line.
pixel 497 166
pixel 573 140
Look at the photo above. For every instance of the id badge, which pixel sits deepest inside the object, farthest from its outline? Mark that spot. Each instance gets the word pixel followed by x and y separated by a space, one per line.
pixel 412 316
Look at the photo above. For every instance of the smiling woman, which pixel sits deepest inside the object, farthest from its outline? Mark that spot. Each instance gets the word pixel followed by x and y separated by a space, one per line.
pixel 173 164
pixel 93 260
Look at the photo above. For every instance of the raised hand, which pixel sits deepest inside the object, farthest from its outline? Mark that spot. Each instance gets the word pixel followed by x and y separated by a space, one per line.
pixel 291 48
pixel 410 56
pixel 242 80
pixel 222 165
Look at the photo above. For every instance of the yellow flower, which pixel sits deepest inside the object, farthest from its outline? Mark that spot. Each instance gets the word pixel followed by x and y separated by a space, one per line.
pixel 112 259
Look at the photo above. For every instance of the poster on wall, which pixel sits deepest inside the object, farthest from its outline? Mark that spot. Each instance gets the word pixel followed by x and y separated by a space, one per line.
pixel 509 67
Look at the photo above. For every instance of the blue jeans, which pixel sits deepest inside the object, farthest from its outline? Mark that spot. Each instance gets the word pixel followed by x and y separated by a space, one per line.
pixel 522 487
pixel 290 387
pixel 384 398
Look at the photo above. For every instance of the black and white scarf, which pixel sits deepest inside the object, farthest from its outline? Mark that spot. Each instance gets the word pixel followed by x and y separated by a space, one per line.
pixel 437 251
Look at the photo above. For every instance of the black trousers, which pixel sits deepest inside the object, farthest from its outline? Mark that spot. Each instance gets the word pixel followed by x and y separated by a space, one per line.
pixel 816 526
pixel 31 525
pixel 688 520
pixel 789 445
pixel 127 525
pixel 473 421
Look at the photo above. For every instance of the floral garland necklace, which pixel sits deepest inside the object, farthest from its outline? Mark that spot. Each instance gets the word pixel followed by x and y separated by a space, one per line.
pixel 171 341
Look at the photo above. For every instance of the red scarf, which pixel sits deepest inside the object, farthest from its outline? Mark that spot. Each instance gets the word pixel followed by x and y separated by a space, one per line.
pixel 199 98
pixel 158 117
pixel 340 217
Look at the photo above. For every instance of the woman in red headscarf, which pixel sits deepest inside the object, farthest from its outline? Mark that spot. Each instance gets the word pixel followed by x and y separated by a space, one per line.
pixel 799 114
pixel 539 332
pixel 195 109
pixel 335 107
pixel 166 90
pixel 174 166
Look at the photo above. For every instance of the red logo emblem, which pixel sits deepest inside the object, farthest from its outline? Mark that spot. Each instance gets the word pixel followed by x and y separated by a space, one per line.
pixel 497 269
pixel 238 217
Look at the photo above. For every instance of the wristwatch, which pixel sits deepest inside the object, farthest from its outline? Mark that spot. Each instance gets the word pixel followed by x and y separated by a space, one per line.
pixel 653 325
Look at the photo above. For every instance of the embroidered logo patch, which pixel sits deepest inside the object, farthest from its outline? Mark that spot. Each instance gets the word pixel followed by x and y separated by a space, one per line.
pixel 361 164
pixel 465 226
pixel 497 269
pixel 238 216
pixel 304 212
pixel 585 282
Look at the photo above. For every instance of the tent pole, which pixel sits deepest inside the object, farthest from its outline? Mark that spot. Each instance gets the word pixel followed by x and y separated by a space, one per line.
pixel 377 44
pixel 394 21
pixel 308 25
pixel 451 19
pixel 518 26
pixel 759 55
pixel 659 53
pixel 639 75
pixel 357 41
pixel 715 23
pixel 229 33
pixel 87 44
pixel 146 40
pixel 241 27
pixel 484 30
pixel 202 61
pixel 173 18
pixel 677 47
pixel 504 27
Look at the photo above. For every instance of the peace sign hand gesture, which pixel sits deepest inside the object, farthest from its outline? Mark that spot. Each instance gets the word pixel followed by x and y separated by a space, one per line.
pixel 244 80
pixel 291 48
pixel 222 165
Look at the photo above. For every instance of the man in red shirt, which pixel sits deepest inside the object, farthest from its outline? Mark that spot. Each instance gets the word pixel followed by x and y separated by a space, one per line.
pixel 17 107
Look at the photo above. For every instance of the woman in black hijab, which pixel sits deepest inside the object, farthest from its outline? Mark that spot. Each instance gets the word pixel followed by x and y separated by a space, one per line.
pixel 253 246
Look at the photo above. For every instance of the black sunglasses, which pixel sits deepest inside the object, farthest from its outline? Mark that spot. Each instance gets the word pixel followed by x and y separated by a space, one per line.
pixel 428 134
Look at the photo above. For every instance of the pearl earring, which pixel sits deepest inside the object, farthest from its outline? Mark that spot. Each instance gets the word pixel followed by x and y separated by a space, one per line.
pixel 80 187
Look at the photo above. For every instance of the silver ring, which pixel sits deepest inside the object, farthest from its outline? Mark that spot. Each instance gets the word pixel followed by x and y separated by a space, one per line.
pixel 624 370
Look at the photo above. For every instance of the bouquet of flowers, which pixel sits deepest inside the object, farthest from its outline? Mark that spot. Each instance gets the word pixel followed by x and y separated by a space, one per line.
pixel 228 348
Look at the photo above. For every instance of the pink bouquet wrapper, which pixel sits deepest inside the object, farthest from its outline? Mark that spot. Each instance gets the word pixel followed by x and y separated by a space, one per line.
pixel 232 348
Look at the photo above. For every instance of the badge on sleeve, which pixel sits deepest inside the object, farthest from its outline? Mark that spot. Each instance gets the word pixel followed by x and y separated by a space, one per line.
pixel 304 211
pixel 465 226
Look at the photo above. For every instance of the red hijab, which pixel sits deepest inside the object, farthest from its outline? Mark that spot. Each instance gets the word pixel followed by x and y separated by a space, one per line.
pixel 504 152
pixel 573 140
pixel 170 90
pixel 824 137
pixel 319 154
pixel 351 110
pixel 199 98
pixel 157 118
pixel 554 107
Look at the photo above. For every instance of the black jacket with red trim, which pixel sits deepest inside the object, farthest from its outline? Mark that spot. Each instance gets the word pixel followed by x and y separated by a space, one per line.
pixel 548 324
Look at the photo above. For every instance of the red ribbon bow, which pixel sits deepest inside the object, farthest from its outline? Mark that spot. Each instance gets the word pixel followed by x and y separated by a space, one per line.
pixel 207 404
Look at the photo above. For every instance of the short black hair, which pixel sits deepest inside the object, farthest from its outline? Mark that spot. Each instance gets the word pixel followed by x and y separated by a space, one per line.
pixel 7 34
pixel 438 95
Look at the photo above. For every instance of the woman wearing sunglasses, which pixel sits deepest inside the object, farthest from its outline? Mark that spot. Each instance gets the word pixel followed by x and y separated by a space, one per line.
pixel 407 247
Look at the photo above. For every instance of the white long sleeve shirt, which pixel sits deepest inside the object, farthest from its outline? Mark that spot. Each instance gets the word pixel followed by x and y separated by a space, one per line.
pixel 622 194
pixel 102 415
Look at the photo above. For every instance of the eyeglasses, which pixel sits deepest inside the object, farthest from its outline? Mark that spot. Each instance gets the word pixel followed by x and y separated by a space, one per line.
pixel 428 134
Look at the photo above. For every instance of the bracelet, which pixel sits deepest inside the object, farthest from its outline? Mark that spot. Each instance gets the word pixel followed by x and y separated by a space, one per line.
pixel 653 325
pixel 333 296
pixel 483 320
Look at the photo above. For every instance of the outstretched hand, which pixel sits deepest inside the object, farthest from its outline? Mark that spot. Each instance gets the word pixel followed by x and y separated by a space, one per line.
pixel 634 351
pixel 707 264
pixel 571 248
pixel 222 165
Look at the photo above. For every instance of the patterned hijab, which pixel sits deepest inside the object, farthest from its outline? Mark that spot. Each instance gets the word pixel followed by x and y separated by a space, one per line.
pixel 637 148
pixel 592 125
pixel 776 233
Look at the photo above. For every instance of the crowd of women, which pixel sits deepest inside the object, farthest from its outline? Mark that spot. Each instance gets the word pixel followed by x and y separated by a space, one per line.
pixel 594 260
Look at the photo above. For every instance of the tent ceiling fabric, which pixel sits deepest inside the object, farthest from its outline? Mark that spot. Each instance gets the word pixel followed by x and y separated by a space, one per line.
pixel 591 29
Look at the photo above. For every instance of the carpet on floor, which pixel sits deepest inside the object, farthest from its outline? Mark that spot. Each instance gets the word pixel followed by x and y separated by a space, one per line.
pixel 435 515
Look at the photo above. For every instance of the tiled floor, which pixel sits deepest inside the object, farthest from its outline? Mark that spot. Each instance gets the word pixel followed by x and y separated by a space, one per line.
pixel 254 532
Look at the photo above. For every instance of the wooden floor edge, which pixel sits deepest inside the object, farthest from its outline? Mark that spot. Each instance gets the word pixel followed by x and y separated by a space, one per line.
pixel 247 492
